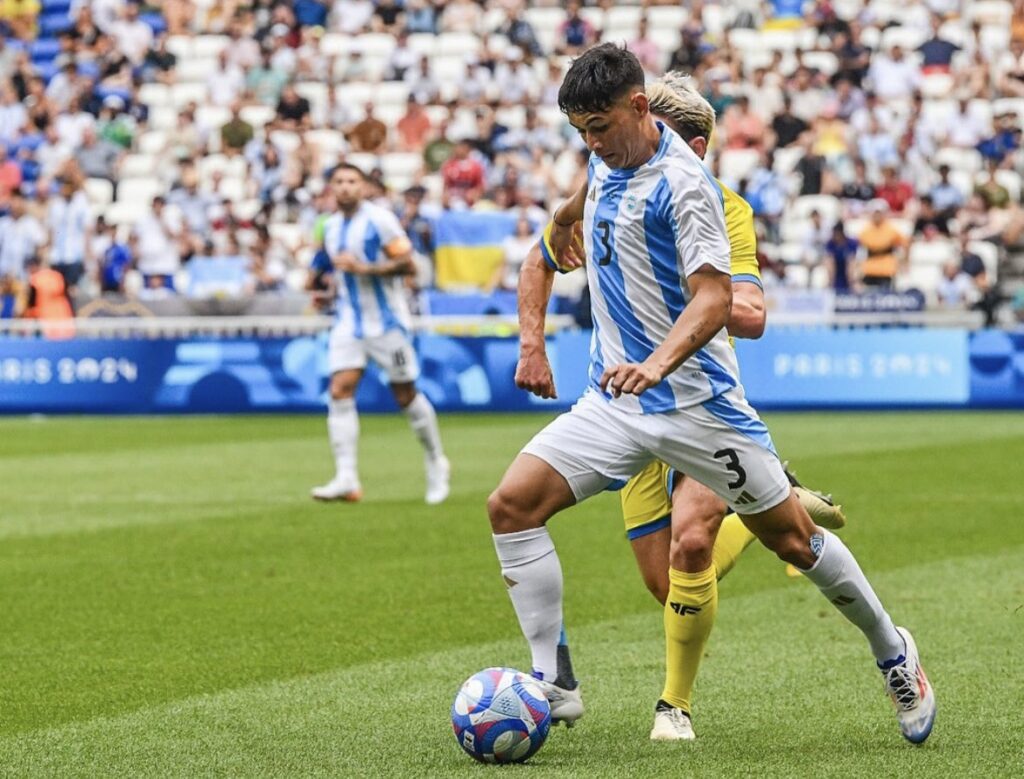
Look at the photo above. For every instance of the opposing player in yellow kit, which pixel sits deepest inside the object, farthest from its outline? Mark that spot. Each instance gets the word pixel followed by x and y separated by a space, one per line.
pixel 653 496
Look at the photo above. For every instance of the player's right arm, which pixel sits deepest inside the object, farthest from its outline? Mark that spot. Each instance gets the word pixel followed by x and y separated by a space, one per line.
pixel 533 372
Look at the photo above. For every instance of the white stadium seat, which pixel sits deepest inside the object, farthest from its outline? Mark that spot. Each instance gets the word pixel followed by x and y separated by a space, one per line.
pixel 210 45
pixel 137 165
pixel 183 94
pixel 139 190
pixel 126 212
pixel 931 253
pixel 257 115
pixel 100 192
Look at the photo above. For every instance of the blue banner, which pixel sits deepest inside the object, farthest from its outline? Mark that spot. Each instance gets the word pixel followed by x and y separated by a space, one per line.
pixel 787 368
pixel 850 368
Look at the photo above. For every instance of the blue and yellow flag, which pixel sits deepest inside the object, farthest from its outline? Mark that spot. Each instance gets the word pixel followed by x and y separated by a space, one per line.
pixel 469 247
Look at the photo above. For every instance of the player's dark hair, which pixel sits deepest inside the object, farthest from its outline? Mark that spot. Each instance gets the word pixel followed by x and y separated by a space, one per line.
pixel 346 166
pixel 599 77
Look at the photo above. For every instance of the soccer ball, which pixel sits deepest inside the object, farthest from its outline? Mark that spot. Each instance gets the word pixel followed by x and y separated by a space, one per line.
pixel 500 716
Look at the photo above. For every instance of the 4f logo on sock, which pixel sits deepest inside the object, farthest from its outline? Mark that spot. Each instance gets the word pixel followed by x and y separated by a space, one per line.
pixel 682 609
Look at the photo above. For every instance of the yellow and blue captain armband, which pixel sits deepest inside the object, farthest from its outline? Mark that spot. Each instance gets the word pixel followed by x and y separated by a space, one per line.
pixel 548 253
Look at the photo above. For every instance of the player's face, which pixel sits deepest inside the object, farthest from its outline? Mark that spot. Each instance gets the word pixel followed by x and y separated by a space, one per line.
pixel 348 187
pixel 615 135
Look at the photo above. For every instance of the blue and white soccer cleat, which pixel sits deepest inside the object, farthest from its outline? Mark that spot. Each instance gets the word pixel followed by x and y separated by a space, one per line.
pixel 566 705
pixel 911 693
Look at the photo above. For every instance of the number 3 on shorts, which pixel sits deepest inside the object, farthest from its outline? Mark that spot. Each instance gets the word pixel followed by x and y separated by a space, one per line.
pixel 732 464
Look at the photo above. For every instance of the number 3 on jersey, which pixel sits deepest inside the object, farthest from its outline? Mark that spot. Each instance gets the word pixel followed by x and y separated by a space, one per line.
pixel 605 231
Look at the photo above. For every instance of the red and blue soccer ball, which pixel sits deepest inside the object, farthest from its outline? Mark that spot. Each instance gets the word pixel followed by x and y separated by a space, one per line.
pixel 500 716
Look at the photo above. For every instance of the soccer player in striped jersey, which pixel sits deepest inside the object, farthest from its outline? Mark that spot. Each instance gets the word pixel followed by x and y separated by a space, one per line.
pixel 663 385
pixel 368 254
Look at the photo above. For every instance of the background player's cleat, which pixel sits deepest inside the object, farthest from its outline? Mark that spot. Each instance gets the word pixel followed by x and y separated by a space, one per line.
pixel 344 490
pixel 821 507
pixel 438 475
pixel 911 693
pixel 566 705
pixel 671 724
pixel 823 511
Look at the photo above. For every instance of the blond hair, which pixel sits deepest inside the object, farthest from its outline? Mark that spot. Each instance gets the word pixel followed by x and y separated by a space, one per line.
pixel 675 98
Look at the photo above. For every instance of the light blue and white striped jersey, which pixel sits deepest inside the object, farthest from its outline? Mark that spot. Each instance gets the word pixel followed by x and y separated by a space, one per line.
pixel 368 306
pixel 646 229
pixel 68 221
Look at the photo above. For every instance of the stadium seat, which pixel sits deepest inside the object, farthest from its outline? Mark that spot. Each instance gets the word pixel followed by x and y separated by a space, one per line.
pixel 289 234
pixel 285 140
pixel 354 95
pixel 329 142
pixel 210 46
pixel 959 159
pixel 100 192
pixel 392 92
pixel 931 253
pixel 257 115
pixel 925 278
pixel 424 43
pixel 213 117
pixel 155 95
pixel 316 93
pixel 908 38
pixel 990 12
pixel 335 45
pixel 828 206
pixel 448 68
pixel 137 166
pixel 183 94
pixel 989 254
pixel 936 85
pixel 181 46
pixel 162 117
pixel 1010 179
pixel 458 43
pixel 139 190
pixel 195 69
pixel 152 142
pixel 824 61
pixel 737 164
pixel 125 212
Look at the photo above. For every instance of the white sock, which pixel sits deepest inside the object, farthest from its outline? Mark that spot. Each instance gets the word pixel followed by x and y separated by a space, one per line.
pixel 423 421
pixel 343 430
pixel 533 575
pixel 840 579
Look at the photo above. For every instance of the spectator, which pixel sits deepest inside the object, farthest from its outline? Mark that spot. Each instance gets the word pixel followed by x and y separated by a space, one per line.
pixel 766 193
pixel 955 290
pixel 692 48
pixel 896 193
pixel 268 172
pixel 786 125
pixel 237 133
pixel 352 17
pixel 575 33
pixel 439 150
pixel 310 13
pixel 195 206
pixel 10 177
pixel 370 134
pixel 930 222
pixel 1004 141
pixel 69 222
pixel 461 16
pixel 52 153
pixel 156 241
pixel 520 32
pixel 99 158
pixel 47 299
pixel 414 127
pixel 991 191
pixel 877 147
pixel 937 52
pixel 742 128
pixel 403 58
pixel 463 175
pixel 159 63
pixel 21 238
pixel 64 86
pixel 816 236
pixel 226 82
pixel 418 225
pixel 885 246
pixel 422 84
pixel 893 76
pixel 420 17
pixel 21 17
pixel 646 49
pixel 387 17
pixel 264 82
pixel 964 128
pixel 115 260
pixel 946 197
pixel 13 116
pixel 840 255
pixel 133 36
pixel 514 250
pixel 293 110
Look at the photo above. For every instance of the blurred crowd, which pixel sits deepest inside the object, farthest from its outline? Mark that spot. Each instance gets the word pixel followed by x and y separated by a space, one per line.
pixel 879 143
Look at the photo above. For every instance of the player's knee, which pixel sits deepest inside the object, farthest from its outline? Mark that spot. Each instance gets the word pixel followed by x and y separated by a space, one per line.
pixel 404 394
pixel 342 389
pixel 691 549
pixel 507 513
pixel 793 548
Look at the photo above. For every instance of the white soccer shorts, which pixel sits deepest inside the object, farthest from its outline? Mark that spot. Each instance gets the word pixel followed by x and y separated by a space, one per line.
pixel 722 443
pixel 392 351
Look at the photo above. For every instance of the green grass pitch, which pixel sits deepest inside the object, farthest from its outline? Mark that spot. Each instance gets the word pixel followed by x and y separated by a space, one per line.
pixel 173 604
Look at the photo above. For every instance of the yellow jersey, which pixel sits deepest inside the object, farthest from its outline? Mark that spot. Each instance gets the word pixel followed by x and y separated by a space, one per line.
pixel 647 497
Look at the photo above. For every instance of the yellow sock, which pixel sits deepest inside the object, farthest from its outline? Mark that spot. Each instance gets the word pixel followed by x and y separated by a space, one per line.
pixel 733 538
pixel 689 616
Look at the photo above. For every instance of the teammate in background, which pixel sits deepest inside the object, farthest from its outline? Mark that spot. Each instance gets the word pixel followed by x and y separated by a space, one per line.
pixel 369 253
pixel 663 385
